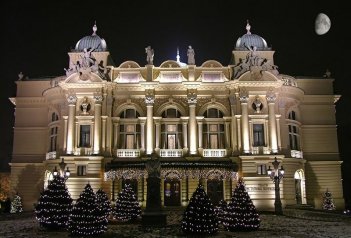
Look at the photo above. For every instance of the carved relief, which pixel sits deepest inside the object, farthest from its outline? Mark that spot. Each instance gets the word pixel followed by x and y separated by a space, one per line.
pixel 271 97
pixel 192 96
pixel 149 96
pixel 85 106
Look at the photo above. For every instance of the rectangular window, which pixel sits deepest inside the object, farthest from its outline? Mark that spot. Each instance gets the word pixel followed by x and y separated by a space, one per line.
pixel 130 142
pixel 84 140
pixel 258 135
pixel 214 141
pixel 261 169
pixel 81 170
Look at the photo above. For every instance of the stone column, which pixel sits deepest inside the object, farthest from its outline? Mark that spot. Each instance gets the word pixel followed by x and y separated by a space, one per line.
pixel 227 134
pixel 278 133
pixel 157 132
pixel 185 132
pixel 115 136
pixel 103 139
pixel 65 118
pixel 245 123
pixel 271 98
pixel 72 100
pixel 149 100
pixel 97 123
pixel 200 123
pixel 142 133
pixel 192 100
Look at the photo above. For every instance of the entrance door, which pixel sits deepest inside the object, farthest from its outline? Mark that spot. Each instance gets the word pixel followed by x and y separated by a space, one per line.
pixel 133 183
pixel 215 190
pixel 298 191
pixel 172 192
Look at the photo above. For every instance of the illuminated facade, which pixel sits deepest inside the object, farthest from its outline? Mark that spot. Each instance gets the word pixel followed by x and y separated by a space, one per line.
pixel 207 123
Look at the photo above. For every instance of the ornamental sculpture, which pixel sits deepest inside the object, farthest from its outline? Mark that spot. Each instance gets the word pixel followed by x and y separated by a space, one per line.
pixel 192 96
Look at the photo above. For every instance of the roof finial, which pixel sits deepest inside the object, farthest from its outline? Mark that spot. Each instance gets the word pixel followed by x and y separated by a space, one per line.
pixel 178 57
pixel 248 28
pixel 94 29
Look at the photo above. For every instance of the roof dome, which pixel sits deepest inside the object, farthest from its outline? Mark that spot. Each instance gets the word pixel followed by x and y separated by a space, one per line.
pixel 93 42
pixel 248 41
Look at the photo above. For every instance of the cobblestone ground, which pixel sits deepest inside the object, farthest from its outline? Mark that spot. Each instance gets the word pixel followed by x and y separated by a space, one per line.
pixel 304 224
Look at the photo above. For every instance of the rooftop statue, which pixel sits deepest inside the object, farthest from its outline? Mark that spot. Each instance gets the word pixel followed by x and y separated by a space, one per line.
pixel 149 55
pixel 191 55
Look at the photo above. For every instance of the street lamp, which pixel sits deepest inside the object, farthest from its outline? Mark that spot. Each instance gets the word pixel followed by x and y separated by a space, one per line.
pixel 276 175
pixel 65 173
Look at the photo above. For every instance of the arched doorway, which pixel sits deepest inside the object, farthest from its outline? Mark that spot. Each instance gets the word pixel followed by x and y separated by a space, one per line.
pixel 133 183
pixel 215 190
pixel 172 192
pixel 300 192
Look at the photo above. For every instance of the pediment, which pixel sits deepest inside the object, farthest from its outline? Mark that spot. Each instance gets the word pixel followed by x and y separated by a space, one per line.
pixel 256 74
pixel 88 77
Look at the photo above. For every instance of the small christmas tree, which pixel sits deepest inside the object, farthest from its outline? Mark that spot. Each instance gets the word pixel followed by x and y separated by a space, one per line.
pixel 16 204
pixel 54 205
pixel 103 202
pixel 199 217
pixel 127 206
pixel 328 203
pixel 241 212
pixel 220 210
pixel 87 219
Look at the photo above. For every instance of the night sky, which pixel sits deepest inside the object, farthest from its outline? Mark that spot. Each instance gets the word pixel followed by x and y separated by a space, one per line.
pixel 37 36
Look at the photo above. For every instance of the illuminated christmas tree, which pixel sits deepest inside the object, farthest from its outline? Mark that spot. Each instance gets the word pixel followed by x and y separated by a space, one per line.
pixel 54 205
pixel 241 213
pixel 328 203
pixel 16 205
pixel 103 202
pixel 199 217
pixel 127 206
pixel 220 210
pixel 87 219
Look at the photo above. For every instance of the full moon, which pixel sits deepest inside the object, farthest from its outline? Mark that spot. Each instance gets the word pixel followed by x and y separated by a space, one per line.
pixel 322 24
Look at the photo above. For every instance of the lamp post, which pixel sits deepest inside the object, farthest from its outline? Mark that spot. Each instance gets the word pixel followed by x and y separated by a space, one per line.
pixel 64 173
pixel 276 175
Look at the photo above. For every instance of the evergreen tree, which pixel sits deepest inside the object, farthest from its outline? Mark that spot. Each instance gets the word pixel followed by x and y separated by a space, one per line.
pixel 220 211
pixel 54 205
pixel 127 206
pixel 16 204
pixel 328 203
pixel 87 219
pixel 103 202
pixel 199 217
pixel 241 213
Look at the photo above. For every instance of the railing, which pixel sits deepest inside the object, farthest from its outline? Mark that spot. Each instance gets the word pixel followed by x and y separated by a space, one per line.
pixel 83 151
pixel 131 153
pixel 257 150
pixel 214 152
pixel 296 154
pixel 51 155
pixel 171 152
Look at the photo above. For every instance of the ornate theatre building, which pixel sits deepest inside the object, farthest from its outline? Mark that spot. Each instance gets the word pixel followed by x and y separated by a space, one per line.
pixel 208 123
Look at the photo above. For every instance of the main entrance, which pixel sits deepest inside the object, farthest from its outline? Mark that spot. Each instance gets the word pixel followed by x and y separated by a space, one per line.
pixel 172 192
pixel 215 190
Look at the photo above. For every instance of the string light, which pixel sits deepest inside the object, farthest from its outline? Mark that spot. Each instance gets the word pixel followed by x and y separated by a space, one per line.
pixel 127 207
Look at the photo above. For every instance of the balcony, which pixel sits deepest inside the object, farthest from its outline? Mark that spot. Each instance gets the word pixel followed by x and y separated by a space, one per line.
pixel 259 150
pixel 51 155
pixel 171 152
pixel 296 154
pixel 130 153
pixel 214 152
pixel 83 151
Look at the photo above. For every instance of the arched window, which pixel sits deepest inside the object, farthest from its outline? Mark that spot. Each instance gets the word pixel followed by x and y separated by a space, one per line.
pixel 171 113
pixel 292 115
pixel 54 117
pixel 294 135
pixel 213 131
pixel 171 132
pixel 129 113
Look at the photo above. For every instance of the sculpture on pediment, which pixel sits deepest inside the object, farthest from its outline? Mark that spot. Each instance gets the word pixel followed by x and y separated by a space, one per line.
pixel 191 55
pixel 149 55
